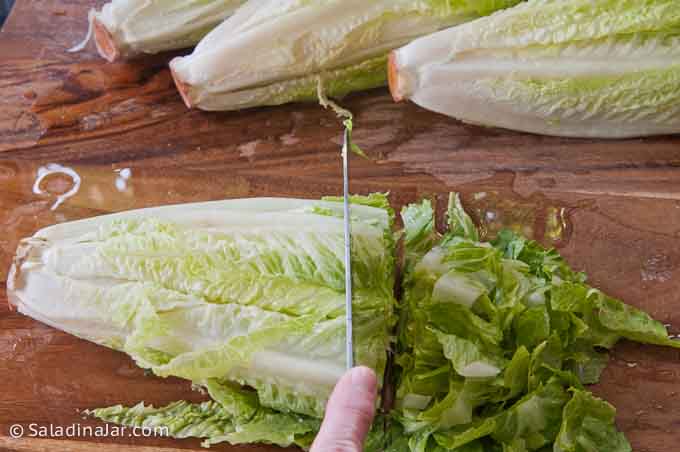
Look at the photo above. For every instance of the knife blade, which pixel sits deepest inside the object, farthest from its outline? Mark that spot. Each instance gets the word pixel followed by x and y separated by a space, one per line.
pixel 349 345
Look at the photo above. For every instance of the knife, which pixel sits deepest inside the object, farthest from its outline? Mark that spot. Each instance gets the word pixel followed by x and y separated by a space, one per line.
pixel 349 347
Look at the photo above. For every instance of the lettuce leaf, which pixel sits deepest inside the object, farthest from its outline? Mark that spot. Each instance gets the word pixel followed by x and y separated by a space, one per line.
pixel 236 417
pixel 588 423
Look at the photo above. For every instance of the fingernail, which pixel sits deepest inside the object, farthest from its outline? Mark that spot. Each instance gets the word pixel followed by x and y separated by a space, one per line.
pixel 364 378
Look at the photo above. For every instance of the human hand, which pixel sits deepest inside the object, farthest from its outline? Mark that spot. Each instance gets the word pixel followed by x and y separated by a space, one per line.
pixel 349 413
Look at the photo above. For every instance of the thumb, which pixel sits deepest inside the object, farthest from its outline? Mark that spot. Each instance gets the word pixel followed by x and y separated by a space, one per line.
pixel 349 413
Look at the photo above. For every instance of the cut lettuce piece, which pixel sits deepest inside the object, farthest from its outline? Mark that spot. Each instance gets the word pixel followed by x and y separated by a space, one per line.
pixel 570 68
pixel 532 326
pixel 629 322
pixel 459 405
pixel 459 222
pixel 544 263
pixel 332 46
pixel 588 425
pixel 463 435
pixel 420 234
pixel 251 291
pixel 586 364
pixel 516 375
pixel 468 359
pixel 535 420
pixel 605 319
pixel 456 287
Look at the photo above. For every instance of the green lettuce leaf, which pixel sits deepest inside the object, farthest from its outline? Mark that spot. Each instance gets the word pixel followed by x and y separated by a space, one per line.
pixel 588 426
pixel 469 359
pixel 465 435
pixel 535 419
pixel 460 223
pixel 181 419
pixel 211 421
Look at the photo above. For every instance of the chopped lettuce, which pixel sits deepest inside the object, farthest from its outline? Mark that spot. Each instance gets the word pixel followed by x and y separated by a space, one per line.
pixel 498 340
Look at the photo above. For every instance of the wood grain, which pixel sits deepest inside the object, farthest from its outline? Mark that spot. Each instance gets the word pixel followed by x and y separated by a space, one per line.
pixel 46 445
pixel 121 133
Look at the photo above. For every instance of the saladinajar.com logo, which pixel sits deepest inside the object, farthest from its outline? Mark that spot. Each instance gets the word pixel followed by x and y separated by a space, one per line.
pixel 35 430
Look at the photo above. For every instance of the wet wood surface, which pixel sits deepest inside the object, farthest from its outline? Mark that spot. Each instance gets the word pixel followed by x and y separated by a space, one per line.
pixel 81 137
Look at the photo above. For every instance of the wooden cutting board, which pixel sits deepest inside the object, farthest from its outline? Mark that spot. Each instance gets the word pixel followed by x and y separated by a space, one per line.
pixel 80 137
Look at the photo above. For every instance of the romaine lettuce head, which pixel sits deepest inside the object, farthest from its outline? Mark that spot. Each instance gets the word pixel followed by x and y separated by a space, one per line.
pixel 272 52
pixel 125 28
pixel 584 68
pixel 250 291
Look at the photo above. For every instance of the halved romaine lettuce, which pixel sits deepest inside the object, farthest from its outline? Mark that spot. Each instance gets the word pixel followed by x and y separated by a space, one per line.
pixel 275 51
pixel 584 68
pixel 250 291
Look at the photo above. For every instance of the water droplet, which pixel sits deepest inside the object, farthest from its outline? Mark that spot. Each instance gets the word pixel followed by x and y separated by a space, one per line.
pixel 120 183
pixel 51 177
pixel 122 178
